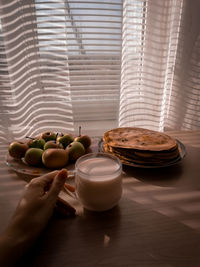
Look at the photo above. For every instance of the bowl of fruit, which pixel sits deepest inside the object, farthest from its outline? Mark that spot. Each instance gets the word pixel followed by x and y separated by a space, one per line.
pixel 49 151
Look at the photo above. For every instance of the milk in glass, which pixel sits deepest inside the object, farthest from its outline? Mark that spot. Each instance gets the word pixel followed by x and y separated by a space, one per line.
pixel 98 181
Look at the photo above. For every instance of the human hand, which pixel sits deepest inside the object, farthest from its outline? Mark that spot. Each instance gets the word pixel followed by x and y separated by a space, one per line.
pixel 37 203
pixel 32 214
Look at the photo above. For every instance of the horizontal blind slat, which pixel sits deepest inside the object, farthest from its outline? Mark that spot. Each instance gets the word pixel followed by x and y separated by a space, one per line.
pixel 90 32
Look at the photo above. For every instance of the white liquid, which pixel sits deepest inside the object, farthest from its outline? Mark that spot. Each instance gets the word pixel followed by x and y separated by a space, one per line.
pixel 99 187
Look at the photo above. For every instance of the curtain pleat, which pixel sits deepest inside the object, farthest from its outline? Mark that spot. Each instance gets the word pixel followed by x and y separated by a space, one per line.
pixel 30 106
pixel 184 109
pixel 63 65
pixel 98 64
pixel 160 65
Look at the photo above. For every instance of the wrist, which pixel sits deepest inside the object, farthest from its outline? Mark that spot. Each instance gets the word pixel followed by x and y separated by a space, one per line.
pixel 14 243
pixel 21 231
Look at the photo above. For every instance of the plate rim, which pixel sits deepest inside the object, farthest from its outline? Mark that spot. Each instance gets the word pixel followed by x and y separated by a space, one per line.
pixel 23 168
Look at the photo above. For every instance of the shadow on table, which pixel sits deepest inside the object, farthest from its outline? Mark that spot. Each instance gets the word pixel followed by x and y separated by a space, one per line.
pixel 76 241
pixel 184 173
pixel 129 235
pixel 164 176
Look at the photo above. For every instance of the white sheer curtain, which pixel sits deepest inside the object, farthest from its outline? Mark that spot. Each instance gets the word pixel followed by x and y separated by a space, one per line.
pixel 61 65
pixel 160 86
pixel 28 103
pixel 99 64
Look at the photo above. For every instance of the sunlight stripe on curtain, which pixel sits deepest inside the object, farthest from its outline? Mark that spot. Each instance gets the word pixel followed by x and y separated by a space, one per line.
pixel 160 65
pixel 184 109
pixel 31 106
pixel 63 61
pixel 91 33
pixel 150 39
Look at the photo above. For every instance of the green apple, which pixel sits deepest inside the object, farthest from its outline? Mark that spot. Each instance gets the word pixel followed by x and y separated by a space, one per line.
pixel 75 150
pixel 55 158
pixel 47 136
pixel 33 156
pixel 37 143
pixel 65 140
pixel 85 140
pixel 17 149
pixel 52 144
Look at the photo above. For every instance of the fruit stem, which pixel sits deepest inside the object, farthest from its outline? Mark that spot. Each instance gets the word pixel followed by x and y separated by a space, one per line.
pixel 79 131
pixel 56 137
pixel 30 137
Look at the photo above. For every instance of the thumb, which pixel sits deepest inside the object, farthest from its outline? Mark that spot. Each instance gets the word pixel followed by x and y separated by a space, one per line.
pixel 58 183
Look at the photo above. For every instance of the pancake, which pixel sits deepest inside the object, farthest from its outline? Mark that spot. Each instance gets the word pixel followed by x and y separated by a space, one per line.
pixel 141 146
pixel 148 160
pixel 138 138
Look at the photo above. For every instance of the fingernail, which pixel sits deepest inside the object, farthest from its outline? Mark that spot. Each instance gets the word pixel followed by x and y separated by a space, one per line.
pixel 62 174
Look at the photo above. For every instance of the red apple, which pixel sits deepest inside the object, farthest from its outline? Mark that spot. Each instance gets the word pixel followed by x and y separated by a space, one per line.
pixel 65 140
pixel 55 158
pixel 33 156
pixel 85 140
pixel 52 144
pixel 75 150
pixel 17 149
pixel 47 136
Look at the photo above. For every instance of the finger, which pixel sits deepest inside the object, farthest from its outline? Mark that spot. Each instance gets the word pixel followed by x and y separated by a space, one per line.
pixel 57 184
pixel 38 186
pixel 43 180
pixel 46 178
pixel 69 187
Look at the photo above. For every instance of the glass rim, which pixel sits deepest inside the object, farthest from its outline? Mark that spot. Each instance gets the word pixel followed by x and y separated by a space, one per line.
pixel 100 154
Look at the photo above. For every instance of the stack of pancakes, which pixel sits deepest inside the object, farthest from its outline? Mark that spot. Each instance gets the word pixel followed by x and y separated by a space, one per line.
pixel 141 146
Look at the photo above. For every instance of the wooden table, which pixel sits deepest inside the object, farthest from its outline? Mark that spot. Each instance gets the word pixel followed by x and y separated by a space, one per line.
pixel 157 222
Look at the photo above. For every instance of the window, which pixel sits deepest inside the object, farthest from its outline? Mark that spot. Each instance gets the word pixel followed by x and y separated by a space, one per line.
pixel 80 55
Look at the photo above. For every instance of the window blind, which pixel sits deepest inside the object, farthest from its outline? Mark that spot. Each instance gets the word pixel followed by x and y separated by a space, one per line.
pixel 4 89
pixel 82 40
pixel 63 64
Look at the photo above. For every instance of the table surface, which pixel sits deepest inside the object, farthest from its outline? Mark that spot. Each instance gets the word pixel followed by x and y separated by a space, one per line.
pixel 157 222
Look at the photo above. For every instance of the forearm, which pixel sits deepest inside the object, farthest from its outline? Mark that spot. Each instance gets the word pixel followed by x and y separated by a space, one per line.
pixel 31 216
pixel 12 247
pixel 14 242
